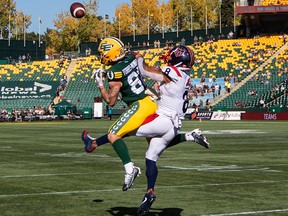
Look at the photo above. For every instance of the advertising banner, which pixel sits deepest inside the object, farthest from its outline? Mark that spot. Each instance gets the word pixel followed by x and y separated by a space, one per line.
pixel 230 115
pixel 10 90
pixel 262 9
pixel 265 116
pixel 201 115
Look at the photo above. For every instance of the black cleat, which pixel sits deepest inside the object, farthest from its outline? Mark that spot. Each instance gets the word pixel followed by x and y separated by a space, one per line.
pixel 147 202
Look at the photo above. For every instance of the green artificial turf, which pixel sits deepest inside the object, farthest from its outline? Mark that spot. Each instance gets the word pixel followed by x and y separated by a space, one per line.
pixel 45 171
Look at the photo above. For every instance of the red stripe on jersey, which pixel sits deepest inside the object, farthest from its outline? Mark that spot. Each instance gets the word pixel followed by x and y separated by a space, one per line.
pixel 150 118
pixel 176 70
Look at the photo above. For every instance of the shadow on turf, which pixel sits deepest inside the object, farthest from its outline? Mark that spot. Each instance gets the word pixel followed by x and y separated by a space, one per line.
pixel 121 211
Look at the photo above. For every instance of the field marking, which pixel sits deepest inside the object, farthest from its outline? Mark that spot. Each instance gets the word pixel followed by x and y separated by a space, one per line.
pixel 229 168
pixel 204 167
pixel 73 155
pixel 56 174
pixel 140 188
pixel 40 175
pixel 222 132
pixel 251 212
pixel 36 123
pixel 5 147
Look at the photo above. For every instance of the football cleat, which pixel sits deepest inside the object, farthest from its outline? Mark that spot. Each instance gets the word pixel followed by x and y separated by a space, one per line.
pixel 196 136
pixel 130 178
pixel 87 139
pixel 147 202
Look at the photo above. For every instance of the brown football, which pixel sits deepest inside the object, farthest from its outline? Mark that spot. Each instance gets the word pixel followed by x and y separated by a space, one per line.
pixel 77 10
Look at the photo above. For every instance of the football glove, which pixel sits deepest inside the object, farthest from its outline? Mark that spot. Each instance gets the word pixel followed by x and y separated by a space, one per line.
pixel 98 77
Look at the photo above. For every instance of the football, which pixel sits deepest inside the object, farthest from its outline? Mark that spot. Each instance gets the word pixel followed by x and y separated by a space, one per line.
pixel 77 10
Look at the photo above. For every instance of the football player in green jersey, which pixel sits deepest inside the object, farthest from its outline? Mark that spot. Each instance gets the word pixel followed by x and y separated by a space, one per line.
pixel 123 77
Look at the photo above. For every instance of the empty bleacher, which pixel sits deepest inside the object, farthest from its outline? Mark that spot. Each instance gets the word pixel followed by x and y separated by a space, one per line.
pixel 271 76
pixel 235 59
pixel 274 2
pixel 39 71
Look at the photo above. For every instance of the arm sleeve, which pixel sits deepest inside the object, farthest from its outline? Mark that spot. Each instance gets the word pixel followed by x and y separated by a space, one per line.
pixel 150 72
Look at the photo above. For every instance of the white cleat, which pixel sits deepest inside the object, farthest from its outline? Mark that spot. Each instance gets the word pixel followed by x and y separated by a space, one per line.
pixel 130 178
pixel 196 136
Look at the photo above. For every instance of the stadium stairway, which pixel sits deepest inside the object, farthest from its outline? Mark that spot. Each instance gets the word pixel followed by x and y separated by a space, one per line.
pixel 70 69
pixel 240 84
pixel 68 75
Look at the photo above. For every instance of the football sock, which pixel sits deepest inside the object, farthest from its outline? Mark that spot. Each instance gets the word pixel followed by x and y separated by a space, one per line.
pixel 102 140
pixel 176 140
pixel 151 173
pixel 121 149
pixel 129 167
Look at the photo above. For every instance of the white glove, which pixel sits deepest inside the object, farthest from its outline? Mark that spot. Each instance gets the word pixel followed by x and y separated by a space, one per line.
pixel 97 75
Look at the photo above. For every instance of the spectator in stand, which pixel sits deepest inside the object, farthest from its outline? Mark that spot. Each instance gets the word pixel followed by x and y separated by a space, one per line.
pixel 23 58
pixel 207 103
pixel 158 43
pixel 201 103
pixel 230 35
pixel 110 112
pixel 252 92
pixel 19 59
pixel 213 91
pixel 238 103
pixel 183 41
pixel 155 44
pixel 23 114
pixel 262 103
pixel 4 115
pixel 219 92
pixel 195 39
pixel 63 82
pixel 228 86
pixel 217 89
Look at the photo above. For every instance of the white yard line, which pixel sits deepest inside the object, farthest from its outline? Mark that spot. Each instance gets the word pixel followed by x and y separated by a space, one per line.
pixel 251 212
pixel 52 174
pixel 229 168
pixel 140 188
pixel 40 175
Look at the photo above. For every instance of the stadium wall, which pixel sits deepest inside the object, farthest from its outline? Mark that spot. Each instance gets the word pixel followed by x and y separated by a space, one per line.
pixel 237 115
pixel 17 48
pixel 168 36
pixel 264 116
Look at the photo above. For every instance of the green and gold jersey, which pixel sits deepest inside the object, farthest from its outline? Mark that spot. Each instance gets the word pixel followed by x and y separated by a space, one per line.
pixel 126 71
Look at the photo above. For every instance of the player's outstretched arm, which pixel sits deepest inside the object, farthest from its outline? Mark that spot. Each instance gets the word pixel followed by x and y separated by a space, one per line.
pixel 151 72
pixel 148 71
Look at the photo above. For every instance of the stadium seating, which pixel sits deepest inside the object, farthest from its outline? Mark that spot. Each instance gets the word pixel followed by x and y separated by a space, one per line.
pixel 271 76
pixel 37 70
pixel 274 2
pixel 31 71
pixel 234 59
pixel 222 59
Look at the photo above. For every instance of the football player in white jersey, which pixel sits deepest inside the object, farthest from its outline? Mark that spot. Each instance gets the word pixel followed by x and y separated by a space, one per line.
pixel 163 127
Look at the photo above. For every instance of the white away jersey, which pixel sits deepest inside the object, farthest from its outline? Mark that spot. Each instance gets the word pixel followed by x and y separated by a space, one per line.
pixel 174 95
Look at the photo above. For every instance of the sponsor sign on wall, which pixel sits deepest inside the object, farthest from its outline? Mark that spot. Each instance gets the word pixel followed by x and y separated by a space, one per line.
pixel 230 115
pixel 265 116
pixel 27 90
pixel 201 115
pixel 262 9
